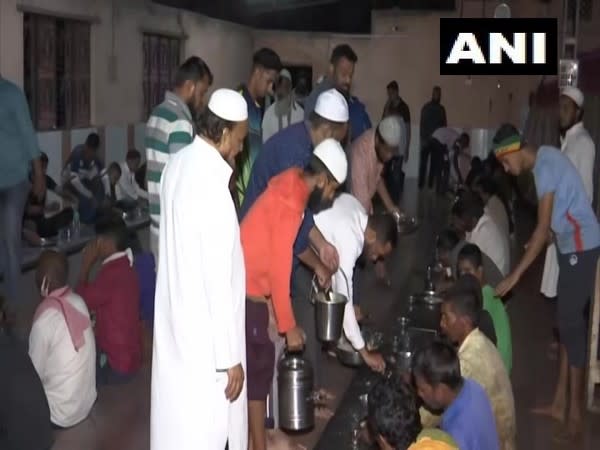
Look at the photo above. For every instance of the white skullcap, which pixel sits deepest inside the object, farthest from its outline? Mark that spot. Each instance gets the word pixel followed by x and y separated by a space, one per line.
pixel 574 94
pixel 390 130
pixel 331 153
pixel 285 74
pixel 228 105
pixel 332 105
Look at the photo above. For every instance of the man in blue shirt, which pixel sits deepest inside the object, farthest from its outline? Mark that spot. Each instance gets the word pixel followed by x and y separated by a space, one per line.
pixel 19 151
pixel 265 67
pixel 566 217
pixel 467 413
pixel 82 175
pixel 341 71
pixel 359 118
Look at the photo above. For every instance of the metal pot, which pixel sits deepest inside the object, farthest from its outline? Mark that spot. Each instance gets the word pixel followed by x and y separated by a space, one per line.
pixel 329 313
pixel 296 398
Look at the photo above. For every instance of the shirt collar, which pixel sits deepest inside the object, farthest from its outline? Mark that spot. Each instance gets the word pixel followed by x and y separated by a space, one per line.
pixel 469 337
pixel 223 167
pixel 173 98
pixel 118 255
pixel 570 132
pixel 457 405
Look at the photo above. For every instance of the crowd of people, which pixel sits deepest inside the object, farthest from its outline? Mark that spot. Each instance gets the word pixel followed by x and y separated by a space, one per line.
pixel 248 209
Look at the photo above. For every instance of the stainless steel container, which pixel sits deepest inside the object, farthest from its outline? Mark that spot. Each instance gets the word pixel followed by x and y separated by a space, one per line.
pixel 296 397
pixel 329 313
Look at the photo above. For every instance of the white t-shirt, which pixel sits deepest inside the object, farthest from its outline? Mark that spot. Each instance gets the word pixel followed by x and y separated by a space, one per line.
pixel 270 124
pixel 496 210
pixel 343 225
pixel 488 236
pixel 68 376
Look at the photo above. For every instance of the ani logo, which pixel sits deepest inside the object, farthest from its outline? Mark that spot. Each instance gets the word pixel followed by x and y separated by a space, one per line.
pixel 498 47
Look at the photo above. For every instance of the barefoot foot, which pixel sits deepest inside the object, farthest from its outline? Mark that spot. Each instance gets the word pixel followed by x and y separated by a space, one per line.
pixel 554 412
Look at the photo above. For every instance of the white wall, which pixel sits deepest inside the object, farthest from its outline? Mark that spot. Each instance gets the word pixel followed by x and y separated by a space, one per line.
pixel 117 104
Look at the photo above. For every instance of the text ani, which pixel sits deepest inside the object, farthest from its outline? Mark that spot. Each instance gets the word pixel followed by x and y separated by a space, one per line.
pixel 466 48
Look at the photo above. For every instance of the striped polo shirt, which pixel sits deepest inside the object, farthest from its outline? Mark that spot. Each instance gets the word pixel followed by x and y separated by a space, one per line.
pixel 169 129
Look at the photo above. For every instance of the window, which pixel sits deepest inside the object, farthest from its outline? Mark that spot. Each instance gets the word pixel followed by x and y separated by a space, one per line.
pixel 585 10
pixel 57 71
pixel 161 60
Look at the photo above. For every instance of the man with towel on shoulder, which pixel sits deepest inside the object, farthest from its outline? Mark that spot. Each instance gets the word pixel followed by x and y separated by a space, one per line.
pixel 198 392
pixel 62 345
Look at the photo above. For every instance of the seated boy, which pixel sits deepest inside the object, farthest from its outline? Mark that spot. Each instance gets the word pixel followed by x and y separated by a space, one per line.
pixel 61 344
pixel 470 262
pixel 129 191
pixel 114 296
pixel 394 422
pixel 24 413
pixel 43 218
pixel 467 412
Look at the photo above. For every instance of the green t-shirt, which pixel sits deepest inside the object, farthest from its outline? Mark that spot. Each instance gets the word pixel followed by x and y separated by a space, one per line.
pixel 494 306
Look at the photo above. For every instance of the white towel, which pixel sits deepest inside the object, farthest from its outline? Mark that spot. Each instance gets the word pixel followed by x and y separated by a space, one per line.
pixel 550 277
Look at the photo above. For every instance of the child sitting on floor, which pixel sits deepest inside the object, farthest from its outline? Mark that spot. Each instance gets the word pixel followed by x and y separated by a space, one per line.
pixel 114 296
pixel 470 262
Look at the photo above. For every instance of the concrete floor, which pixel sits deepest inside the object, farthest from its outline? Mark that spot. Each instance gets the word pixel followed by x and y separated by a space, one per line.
pixel 120 418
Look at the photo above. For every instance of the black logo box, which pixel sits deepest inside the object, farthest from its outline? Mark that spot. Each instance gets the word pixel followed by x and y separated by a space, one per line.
pixel 450 28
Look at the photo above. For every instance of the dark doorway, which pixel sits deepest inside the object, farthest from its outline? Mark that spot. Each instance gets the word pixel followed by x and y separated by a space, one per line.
pixel 301 80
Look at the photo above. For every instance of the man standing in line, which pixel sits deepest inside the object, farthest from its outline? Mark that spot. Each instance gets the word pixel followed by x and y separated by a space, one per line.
pixel 285 111
pixel 265 67
pixel 577 144
pixel 341 71
pixel 170 128
pixel 433 116
pixel 19 149
pixel 396 106
pixel 198 393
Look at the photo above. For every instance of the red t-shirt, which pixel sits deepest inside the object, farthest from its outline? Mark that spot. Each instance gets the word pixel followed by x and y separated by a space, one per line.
pixel 268 232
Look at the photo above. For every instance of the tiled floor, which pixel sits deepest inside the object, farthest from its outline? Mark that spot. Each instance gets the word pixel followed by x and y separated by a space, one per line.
pixel 119 420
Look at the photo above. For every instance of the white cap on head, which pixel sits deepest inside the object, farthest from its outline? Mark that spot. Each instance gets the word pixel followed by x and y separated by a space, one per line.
pixel 285 74
pixel 390 130
pixel 228 105
pixel 574 94
pixel 332 105
pixel 331 153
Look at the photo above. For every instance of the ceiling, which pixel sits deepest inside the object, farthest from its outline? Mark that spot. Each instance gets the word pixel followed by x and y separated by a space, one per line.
pixel 335 16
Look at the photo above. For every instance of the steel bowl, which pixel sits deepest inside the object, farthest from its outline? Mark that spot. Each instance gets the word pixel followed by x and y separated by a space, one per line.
pixel 48 242
pixel 429 297
pixel 350 357
pixel 407 225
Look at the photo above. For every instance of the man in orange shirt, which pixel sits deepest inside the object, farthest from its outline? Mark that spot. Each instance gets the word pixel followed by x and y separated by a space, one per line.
pixel 268 232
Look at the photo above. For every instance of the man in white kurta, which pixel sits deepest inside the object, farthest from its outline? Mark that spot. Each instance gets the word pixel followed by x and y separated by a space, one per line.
pixel 345 225
pixel 199 328
pixel 578 145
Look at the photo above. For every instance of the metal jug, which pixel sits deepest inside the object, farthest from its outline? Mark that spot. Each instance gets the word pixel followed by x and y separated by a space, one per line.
pixel 329 313
pixel 296 397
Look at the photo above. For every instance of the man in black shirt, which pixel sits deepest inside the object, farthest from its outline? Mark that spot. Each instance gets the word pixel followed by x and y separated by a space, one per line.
pixel 433 116
pixel 24 412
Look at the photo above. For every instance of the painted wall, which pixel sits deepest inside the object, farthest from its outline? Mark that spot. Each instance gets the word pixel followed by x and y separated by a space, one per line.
pixel 117 103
